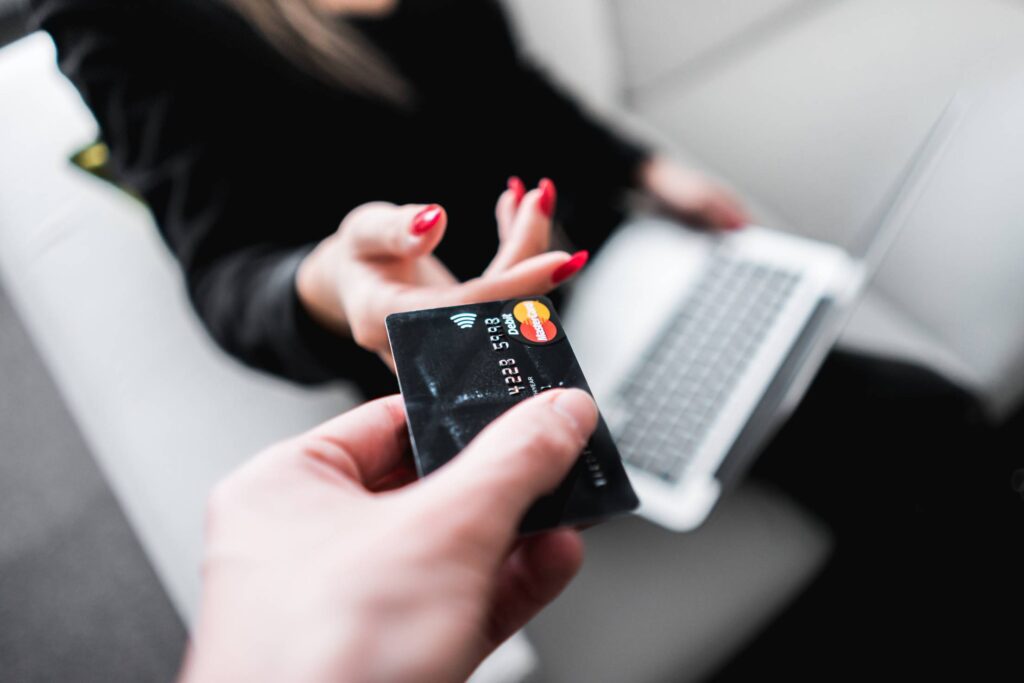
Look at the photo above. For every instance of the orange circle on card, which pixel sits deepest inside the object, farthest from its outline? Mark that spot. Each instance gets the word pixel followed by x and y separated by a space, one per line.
pixel 523 309
pixel 535 321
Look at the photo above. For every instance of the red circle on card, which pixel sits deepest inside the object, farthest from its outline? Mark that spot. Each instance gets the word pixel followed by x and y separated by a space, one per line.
pixel 530 331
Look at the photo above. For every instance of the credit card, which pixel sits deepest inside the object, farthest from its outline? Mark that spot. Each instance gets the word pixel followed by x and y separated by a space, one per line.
pixel 460 368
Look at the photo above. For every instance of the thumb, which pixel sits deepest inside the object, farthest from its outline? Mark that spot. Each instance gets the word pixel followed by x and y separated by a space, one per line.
pixel 380 230
pixel 524 454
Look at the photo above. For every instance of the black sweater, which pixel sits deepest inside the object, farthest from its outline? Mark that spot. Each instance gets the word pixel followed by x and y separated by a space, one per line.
pixel 247 162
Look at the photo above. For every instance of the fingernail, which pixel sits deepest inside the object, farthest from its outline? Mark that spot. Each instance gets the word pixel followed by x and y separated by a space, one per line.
pixel 578 408
pixel 517 187
pixel 426 219
pixel 548 194
pixel 570 267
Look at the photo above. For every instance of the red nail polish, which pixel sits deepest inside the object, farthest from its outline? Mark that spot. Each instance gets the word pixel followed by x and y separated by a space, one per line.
pixel 740 222
pixel 426 219
pixel 547 197
pixel 570 267
pixel 517 187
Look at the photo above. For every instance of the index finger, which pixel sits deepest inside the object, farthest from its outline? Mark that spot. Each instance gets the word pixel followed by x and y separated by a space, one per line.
pixel 384 231
pixel 535 275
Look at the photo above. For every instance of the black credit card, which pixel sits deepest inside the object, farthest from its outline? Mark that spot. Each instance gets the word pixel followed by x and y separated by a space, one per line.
pixel 460 368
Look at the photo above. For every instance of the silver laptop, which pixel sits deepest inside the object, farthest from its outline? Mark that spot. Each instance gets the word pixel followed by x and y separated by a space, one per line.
pixel 697 346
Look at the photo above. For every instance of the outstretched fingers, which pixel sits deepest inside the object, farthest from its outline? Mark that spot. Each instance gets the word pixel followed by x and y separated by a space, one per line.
pixel 524 224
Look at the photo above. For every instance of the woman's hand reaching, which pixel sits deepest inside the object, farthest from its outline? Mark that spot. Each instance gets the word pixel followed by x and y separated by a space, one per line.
pixel 380 261
pixel 691 196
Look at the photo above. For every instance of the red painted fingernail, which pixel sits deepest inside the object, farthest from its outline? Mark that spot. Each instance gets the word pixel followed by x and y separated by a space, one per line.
pixel 570 267
pixel 734 222
pixel 426 219
pixel 517 187
pixel 547 197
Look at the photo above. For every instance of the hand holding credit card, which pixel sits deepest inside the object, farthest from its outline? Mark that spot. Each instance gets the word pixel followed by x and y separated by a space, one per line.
pixel 460 368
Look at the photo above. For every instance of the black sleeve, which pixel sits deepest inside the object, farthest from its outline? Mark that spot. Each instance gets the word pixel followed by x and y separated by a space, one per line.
pixel 167 143
pixel 587 158
pixel 575 141
pixel 586 148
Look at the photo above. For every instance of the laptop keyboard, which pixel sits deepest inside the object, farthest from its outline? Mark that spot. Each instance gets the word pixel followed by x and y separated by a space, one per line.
pixel 673 396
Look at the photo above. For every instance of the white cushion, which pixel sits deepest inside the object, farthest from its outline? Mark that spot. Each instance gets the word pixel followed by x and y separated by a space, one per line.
pixel 664 39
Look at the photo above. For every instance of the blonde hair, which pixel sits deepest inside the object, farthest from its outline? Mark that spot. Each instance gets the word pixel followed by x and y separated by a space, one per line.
pixel 326 47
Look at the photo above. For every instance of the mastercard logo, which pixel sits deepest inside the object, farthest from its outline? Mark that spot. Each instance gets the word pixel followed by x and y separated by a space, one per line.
pixel 535 321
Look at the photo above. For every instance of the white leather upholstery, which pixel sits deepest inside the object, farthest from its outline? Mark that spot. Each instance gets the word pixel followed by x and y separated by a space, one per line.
pixel 663 41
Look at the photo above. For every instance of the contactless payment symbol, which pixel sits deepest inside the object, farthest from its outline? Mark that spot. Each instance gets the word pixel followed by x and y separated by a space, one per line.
pixel 464 320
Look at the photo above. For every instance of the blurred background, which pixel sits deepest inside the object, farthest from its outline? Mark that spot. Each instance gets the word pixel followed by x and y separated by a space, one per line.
pixel 810 108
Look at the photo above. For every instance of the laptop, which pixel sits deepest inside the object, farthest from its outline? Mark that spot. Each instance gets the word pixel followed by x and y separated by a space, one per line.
pixel 698 345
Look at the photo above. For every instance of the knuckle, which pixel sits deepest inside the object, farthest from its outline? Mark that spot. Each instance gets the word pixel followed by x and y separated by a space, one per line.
pixel 363 215
pixel 370 209
pixel 354 217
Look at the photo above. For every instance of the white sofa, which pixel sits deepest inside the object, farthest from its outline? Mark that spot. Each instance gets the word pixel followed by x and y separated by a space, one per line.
pixel 166 414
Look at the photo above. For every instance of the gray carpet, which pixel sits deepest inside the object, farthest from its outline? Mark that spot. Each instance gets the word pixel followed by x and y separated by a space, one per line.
pixel 78 599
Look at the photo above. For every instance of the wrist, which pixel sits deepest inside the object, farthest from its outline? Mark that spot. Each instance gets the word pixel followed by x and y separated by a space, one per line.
pixel 316 283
